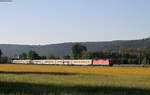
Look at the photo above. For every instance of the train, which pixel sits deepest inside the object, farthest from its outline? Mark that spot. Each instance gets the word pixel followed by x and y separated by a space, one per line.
pixel 65 62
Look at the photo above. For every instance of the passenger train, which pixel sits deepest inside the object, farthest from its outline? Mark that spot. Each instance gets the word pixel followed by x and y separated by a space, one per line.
pixel 65 62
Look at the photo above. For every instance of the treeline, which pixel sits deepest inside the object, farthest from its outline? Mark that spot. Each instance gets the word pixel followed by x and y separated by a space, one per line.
pixel 120 56
pixel 4 59
pixel 79 51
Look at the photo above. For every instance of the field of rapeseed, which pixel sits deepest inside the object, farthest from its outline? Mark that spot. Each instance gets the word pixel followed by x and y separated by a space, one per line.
pixel 73 80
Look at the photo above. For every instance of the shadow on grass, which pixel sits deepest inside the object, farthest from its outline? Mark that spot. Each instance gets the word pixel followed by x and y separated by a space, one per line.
pixel 19 88
pixel 47 73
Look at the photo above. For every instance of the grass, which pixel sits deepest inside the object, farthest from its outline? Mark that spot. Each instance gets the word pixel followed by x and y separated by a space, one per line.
pixel 73 80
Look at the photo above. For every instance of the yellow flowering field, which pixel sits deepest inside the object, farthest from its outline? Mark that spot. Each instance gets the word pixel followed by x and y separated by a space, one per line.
pixel 76 69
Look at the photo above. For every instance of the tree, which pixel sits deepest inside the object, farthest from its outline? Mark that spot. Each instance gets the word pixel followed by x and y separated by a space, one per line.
pixel 85 55
pixel 52 57
pixel 23 56
pixel 32 55
pixel 42 57
pixel 6 59
pixel 106 53
pixel 95 55
pixel 66 57
pixel 77 50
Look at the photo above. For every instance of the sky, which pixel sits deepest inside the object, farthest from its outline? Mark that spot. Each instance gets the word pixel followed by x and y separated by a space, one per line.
pixel 39 22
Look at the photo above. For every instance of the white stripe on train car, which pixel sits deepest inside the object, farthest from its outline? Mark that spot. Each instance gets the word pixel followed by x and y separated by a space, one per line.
pixel 67 62
pixel 59 62
pixel 52 62
pixel 21 61
pixel 81 62
pixel 37 61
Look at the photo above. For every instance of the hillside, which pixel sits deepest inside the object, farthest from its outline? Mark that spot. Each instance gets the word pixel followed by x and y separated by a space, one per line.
pixel 64 48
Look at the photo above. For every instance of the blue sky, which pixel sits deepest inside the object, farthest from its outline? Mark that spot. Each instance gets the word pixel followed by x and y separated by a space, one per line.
pixel 58 21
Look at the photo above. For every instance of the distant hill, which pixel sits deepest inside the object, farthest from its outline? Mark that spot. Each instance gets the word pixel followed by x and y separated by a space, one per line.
pixel 64 48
